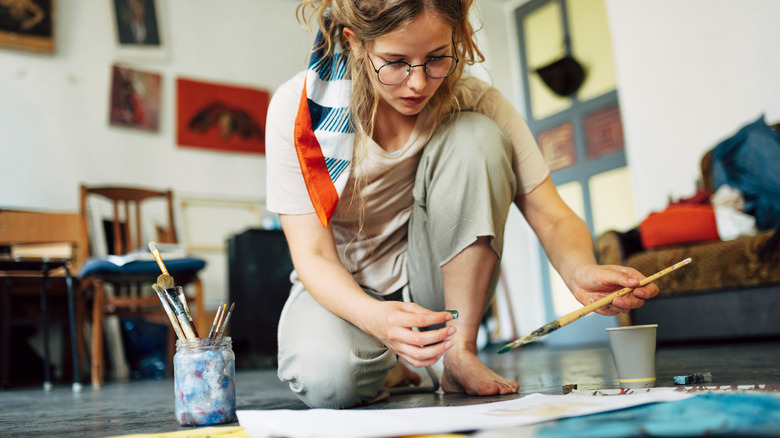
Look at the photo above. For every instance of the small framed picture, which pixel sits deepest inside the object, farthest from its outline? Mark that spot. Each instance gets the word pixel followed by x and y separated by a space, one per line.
pixel 139 30
pixel 135 99
pixel 27 25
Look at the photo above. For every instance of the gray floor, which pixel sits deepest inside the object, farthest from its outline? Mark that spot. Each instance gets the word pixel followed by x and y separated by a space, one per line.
pixel 146 406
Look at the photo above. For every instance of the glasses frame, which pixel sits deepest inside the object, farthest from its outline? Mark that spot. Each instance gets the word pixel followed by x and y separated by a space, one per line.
pixel 410 67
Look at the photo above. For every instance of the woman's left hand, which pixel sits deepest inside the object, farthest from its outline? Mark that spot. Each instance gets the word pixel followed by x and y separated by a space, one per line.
pixel 593 282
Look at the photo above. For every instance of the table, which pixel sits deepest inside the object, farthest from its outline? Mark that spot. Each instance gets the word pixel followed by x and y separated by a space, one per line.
pixel 11 267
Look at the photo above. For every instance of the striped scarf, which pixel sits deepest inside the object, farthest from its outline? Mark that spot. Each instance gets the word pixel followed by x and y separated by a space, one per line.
pixel 324 134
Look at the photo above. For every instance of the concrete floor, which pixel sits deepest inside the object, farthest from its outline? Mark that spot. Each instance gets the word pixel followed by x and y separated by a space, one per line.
pixel 146 406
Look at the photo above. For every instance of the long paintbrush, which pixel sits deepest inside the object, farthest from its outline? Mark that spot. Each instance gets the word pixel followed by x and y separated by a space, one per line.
pixel 577 314
pixel 165 280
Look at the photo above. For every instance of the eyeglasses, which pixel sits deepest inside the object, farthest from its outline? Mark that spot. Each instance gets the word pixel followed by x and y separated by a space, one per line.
pixel 393 73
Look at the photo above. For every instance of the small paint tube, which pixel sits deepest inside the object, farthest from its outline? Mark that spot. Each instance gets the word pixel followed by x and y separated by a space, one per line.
pixel 692 378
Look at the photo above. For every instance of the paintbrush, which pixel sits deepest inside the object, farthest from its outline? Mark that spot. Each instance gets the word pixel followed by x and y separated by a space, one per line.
pixel 213 330
pixel 169 312
pixel 225 322
pixel 165 280
pixel 186 328
pixel 577 314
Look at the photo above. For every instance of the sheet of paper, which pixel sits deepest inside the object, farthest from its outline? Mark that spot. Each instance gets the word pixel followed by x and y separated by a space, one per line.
pixel 374 423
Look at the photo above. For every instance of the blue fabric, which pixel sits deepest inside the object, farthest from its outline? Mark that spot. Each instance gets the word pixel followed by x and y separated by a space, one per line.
pixel 750 162
pixel 709 414
pixel 176 267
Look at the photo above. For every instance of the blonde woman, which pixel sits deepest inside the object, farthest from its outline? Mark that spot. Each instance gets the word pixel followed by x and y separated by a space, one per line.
pixel 393 174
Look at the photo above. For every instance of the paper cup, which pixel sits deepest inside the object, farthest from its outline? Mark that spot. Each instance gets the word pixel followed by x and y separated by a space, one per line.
pixel 633 349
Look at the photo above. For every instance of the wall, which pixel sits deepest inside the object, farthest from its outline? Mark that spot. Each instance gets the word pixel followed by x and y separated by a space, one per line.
pixel 690 74
pixel 54 131
pixel 53 114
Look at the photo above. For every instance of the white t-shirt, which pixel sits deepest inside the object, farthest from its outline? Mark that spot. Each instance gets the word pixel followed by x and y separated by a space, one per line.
pixel 377 256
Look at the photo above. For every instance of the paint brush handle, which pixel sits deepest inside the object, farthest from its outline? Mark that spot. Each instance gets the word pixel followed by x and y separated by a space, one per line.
pixel 179 311
pixel 225 322
pixel 169 312
pixel 213 330
pixel 157 257
pixel 579 313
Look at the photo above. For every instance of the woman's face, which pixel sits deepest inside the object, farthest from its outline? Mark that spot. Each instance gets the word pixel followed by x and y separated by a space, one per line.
pixel 426 37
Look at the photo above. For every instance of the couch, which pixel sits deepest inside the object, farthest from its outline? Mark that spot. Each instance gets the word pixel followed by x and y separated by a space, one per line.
pixel 730 291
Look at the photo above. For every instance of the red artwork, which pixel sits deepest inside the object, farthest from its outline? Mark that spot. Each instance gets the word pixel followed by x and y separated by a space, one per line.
pixel 557 145
pixel 135 99
pixel 221 117
pixel 604 132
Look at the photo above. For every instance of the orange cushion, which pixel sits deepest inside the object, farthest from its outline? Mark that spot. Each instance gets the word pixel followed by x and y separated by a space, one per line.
pixel 679 224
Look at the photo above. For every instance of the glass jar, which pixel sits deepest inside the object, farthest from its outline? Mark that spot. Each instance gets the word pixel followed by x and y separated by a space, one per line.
pixel 203 372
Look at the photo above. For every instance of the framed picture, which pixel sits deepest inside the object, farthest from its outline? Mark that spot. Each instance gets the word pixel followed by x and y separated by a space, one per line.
pixel 139 30
pixel 135 99
pixel 27 25
pixel 221 117
pixel 557 145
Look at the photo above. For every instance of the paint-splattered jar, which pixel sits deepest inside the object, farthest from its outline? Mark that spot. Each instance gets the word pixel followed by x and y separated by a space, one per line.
pixel 204 381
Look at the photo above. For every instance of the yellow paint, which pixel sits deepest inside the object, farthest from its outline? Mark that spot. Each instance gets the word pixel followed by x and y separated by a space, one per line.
pixel 650 379
pixel 592 46
pixel 543 35
pixel 206 432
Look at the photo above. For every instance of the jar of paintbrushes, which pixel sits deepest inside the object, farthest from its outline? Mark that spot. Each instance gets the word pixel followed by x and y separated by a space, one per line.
pixel 204 370
pixel 203 367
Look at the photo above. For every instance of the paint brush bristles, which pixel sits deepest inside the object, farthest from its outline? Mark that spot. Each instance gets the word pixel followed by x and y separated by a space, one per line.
pixel 165 280
pixel 577 314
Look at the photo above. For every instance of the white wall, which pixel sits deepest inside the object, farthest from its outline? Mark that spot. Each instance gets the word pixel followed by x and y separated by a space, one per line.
pixel 54 131
pixel 690 74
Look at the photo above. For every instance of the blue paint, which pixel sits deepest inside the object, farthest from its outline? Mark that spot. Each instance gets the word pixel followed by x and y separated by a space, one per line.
pixel 703 415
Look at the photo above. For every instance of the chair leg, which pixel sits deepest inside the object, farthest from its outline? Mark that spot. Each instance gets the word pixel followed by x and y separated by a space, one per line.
pixel 81 342
pixel 97 334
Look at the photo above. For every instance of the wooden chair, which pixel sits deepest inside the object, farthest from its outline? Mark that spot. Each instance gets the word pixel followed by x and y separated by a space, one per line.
pixel 125 219
pixel 43 251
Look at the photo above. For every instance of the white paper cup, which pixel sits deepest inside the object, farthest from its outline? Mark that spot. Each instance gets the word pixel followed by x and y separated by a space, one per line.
pixel 633 349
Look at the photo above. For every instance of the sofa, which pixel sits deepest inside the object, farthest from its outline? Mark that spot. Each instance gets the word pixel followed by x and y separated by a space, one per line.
pixel 731 291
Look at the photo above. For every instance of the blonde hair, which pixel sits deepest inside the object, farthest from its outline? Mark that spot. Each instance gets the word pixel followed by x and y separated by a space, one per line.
pixel 370 19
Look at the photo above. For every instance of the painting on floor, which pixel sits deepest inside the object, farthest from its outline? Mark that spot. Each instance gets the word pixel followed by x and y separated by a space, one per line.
pixel 221 117
pixel 135 99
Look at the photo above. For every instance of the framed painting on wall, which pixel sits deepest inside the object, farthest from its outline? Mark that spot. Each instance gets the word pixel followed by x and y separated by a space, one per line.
pixel 139 29
pixel 135 99
pixel 221 117
pixel 27 25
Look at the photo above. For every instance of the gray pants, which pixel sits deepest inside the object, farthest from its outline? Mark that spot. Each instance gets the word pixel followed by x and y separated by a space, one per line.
pixel 463 190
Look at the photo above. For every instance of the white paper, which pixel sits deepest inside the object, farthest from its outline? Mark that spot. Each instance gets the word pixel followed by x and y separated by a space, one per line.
pixel 373 423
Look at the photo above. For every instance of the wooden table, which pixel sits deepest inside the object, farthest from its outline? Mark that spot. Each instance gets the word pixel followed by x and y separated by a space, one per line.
pixel 11 267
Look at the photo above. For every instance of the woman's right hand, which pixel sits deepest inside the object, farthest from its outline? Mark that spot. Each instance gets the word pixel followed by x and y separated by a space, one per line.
pixel 394 323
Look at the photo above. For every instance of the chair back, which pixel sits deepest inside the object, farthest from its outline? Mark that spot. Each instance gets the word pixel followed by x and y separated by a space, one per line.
pixel 126 217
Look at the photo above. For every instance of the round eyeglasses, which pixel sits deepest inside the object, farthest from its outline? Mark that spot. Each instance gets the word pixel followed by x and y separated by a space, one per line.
pixel 393 73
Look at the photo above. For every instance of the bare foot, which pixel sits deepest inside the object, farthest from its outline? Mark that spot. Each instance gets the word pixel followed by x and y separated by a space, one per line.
pixel 463 372
pixel 400 376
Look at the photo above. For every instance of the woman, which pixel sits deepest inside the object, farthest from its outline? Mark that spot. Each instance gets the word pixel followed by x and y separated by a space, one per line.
pixel 393 174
